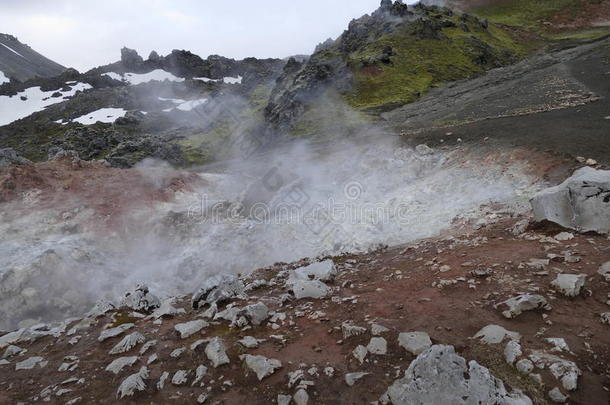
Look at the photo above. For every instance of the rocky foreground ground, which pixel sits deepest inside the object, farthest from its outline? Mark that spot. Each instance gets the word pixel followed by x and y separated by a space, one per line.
pixel 498 300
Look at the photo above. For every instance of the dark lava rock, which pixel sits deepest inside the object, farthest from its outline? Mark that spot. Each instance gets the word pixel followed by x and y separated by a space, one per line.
pixel 130 58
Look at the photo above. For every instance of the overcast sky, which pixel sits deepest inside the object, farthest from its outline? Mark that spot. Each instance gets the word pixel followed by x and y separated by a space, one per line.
pixel 87 33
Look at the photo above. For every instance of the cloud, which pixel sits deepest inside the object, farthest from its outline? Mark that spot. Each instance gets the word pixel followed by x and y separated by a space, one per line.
pixel 86 33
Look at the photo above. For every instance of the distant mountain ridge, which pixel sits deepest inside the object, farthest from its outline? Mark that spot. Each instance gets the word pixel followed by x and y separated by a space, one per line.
pixel 20 62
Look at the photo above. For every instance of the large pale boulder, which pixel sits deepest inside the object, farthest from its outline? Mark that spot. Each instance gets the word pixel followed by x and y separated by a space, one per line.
pixel 582 202
pixel 439 376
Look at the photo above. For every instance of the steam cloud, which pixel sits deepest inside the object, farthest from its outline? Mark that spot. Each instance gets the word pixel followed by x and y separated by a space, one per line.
pixel 299 199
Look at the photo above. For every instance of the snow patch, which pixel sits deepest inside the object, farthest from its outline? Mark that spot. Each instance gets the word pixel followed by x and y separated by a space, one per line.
pixel 205 79
pixel 31 100
pixel 157 75
pixel 232 80
pixel 105 115
pixel 226 80
pixel 3 78
pixel 192 104
pixel 184 105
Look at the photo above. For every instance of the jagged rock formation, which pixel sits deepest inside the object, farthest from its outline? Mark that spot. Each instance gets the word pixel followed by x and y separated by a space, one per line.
pixel 385 45
pixel 20 62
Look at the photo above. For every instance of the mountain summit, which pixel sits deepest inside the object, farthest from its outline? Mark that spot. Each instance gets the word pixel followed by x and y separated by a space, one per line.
pixel 20 62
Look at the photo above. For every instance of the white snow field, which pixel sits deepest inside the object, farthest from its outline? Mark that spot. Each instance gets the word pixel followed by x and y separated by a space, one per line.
pixel 31 100
pixel 158 75
pixel 3 78
pixel 106 115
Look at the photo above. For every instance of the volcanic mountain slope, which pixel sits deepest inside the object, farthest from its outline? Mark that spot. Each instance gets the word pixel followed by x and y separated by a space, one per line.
pixel 20 62
pixel 179 108
pixel 189 111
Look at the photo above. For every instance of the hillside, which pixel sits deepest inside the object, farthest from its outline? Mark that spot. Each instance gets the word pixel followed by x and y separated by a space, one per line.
pixel 393 57
pixel 20 62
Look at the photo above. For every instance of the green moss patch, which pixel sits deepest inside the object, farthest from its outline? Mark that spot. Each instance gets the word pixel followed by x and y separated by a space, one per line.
pixel 420 64
pixel 523 13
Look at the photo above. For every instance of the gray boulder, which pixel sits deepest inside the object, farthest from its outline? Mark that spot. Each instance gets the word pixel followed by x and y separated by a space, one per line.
pixel 582 202
pixel 218 289
pixel 140 299
pixel 8 157
pixel 439 376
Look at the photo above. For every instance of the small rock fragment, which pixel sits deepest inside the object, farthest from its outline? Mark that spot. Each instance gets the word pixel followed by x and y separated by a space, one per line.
pixel 350 330
pixel 494 334
pixel 162 380
pixel 377 329
pixel 309 289
pixel 200 372
pixel 217 289
pixel 133 383
pixel 360 353
pixel 188 329
pixel 283 399
pixel 377 345
pixel 140 299
pixel 564 236
pixel 30 363
pixel 301 397
pixel 250 342
pixel 512 351
pixel 216 352
pixel 261 365
pixel 604 271
pixel 414 342
pixel 525 366
pixel 351 378
pixel 557 396
pixel 127 343
pixel 117 365
pixel 110 333
pixel 521 303
pixel 569 285
pixel 180 377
